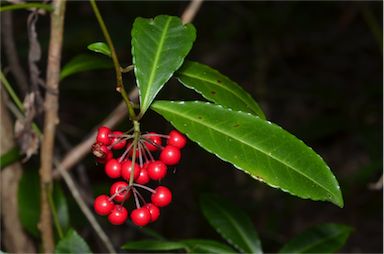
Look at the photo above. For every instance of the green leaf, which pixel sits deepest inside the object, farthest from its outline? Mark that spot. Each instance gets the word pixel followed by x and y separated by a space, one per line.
pixel 61 206
pixel 28 197
pixel 10 157
pixel 217 88
pixel 72 243
pixel 324 238
pixel 83 63
pixel 206 246
pixel 159 47
pixel 153 245
pixel 231 223
pixel 100 47
pixel 258 147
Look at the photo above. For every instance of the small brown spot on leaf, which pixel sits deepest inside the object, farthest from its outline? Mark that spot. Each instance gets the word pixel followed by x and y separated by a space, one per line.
pixel 218 81
pixel 236 125
pixel 213 92
pixel 199 117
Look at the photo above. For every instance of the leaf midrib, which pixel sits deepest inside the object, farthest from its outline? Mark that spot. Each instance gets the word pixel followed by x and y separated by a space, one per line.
pixel 229 217
pixel 256 148
pixel 157 57
pixel 217 85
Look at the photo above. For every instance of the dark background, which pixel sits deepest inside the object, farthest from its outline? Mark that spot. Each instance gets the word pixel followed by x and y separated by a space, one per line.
pixel 316 70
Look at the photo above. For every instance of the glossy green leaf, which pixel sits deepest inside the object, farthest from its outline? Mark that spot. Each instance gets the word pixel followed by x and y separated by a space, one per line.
pixel 100 47
pixel 83 63
pixel 324 238
pixel 258 147
pixel 10 157
pixel 217 88
pixel 159 46
pixel 61 207
pixel 206 246
pixel 28 197
pixel 153 245
pixel 231 223
pixel 72 243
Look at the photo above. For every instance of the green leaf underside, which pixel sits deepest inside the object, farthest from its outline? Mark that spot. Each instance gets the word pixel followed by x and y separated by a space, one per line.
pixel 159 46
pixel 206 246
pixel 83 63
pixel 153 245
pixel 72 243
pixel 231 223
pixel 100 47
pixel 216 87
pixel 324 238
pixel 258 147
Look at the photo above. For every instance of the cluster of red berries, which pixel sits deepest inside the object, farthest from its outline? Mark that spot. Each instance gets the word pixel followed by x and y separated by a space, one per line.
pixel 137 162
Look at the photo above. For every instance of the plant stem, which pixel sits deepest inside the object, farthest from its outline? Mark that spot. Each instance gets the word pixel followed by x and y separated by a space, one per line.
pixel 51 119
pixel 21 6
pixel 119 78
pixel 136 133
pixel 16 100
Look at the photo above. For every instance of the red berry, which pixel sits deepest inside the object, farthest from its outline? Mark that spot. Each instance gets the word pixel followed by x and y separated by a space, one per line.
pixel 113 168
pixel 157 170
pixel 102 205
pixel 155 139
pixel 141 216
pixel 103 135
pixel 176 139
pixel 153 210
pixel 161 197
pixel 170 155
pixel 120 189
pixel 118 215
pixel 126 170
pixel 101 152
pixel 116 144
pixel 143 176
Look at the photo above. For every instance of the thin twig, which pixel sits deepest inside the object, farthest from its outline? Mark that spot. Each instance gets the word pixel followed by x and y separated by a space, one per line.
pixel 191 11
pixel 11 53
pixel 51 106
pixel 84 208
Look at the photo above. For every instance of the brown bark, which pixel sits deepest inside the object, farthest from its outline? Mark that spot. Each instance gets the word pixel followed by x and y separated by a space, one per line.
pixel 15 239
pixel 51 106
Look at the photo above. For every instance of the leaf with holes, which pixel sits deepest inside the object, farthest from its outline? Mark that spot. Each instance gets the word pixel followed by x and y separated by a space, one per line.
pixel 216 87
pixel 324 238
pixel 231 223
pixel 258 147
pixel 159 47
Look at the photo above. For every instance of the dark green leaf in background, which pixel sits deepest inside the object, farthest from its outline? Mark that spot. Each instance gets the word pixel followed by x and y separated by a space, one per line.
pixel 83 63
pixel 28 196
pixel 206 246
pixel 159 46
pixel 9 157
pixel 258 147
pixel 72 243
pixel 152 245
pixel 217 88
pixel 100 47
pixel 324 238
pixel 231 223
pixel 61 207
